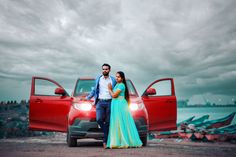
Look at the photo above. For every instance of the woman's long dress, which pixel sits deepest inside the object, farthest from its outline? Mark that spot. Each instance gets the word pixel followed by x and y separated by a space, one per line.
pixel 122 131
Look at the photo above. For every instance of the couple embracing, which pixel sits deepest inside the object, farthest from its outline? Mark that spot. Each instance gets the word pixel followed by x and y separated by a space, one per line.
pixel 112 110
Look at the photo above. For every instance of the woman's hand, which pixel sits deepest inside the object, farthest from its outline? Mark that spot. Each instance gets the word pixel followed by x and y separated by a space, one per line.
pixel 113 94
pixel 109 86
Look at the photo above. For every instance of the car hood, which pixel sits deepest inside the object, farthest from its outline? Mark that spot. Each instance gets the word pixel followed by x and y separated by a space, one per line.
pixel 133 99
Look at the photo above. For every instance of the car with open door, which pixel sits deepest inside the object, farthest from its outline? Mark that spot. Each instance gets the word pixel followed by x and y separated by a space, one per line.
pixel 53 109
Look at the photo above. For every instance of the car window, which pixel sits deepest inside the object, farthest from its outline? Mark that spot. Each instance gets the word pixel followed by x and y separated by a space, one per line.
pixel 163 88
pixel 131 88
pixel 84 87
pixel 45 87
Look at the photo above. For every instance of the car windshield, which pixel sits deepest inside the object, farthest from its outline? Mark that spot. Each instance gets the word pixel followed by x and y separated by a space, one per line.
pixel 84 87
pixel 131 88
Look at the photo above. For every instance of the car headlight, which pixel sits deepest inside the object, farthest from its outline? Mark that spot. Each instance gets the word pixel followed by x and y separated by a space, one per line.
pixel 135 106
pixel 85 106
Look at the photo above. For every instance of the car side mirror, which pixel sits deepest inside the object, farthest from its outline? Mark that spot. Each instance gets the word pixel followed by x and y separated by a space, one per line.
pixel 60 91
pixel 151 91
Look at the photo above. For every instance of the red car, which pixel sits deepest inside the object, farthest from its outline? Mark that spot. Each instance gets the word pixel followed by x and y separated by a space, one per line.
pixel 53 109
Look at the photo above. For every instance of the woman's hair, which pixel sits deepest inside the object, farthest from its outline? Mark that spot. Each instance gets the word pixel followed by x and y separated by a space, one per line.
pixel 122 75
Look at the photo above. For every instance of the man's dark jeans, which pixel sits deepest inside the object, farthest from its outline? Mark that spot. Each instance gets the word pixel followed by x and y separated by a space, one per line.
pixel 103 108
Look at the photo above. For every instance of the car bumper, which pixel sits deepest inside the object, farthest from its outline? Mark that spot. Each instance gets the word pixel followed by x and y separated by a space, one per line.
pixel 89 129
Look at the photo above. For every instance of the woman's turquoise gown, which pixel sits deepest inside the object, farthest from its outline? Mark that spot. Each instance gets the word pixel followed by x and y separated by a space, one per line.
pixel 122 131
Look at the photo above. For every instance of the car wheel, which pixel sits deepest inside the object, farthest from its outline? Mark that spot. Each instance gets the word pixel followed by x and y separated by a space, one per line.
pixel 144 140
pixel 71 142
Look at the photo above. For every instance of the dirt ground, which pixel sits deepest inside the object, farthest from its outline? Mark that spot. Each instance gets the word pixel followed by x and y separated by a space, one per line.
pixel 56 147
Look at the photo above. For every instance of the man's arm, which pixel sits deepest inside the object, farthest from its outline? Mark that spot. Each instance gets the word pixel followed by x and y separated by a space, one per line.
pixel 113 81
pixel 91 94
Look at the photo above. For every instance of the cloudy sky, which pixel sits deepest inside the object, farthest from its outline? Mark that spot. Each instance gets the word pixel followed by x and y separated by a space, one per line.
pixel 192 41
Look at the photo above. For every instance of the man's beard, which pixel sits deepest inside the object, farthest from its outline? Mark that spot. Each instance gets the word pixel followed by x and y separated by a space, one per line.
pixel 105 74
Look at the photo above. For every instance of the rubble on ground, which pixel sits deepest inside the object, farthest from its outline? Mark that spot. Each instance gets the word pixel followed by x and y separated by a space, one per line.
pixel 14 120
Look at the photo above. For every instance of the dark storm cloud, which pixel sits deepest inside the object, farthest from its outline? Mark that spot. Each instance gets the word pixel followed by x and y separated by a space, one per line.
pixel 192 41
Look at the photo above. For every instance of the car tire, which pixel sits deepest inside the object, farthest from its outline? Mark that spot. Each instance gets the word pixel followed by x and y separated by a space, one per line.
pixel 71 142
pixel 144 140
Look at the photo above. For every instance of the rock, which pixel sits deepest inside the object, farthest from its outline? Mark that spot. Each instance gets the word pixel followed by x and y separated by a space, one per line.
pixel 14 121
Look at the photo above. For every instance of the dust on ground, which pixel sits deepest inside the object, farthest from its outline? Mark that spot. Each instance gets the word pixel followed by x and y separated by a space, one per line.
pixel 56 147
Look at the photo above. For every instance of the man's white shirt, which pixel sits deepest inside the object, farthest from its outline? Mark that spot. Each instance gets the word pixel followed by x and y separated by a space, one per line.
pixel 103 88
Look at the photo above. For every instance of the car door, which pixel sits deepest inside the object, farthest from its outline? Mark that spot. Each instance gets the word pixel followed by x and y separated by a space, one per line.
pixel 48 111
pixel 160 101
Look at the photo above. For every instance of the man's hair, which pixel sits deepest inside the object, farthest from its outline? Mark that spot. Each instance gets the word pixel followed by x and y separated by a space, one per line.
pixel 105 64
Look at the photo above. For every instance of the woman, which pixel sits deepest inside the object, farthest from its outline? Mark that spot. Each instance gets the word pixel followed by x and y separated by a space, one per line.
pixel 122 131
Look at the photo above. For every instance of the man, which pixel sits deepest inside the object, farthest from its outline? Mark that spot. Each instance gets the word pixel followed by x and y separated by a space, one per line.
pixel 103 99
